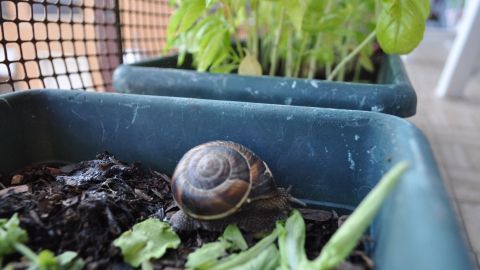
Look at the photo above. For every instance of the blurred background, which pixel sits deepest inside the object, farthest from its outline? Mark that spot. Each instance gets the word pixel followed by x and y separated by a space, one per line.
pixel 444 71
pixel 73 44
pixel 77 44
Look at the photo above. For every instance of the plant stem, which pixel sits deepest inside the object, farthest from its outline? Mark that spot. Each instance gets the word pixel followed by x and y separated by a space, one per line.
pixel 350 56
pixel 229 16
pixel 356 74
pixel 298 63
pixel 239 48
pixel 236 260
pixel 343 53
pixel 27 252
pixel 313 60
pixel 274 53
pixel 312 67
pixel 254 31
pixel 328 69
pixel 289 60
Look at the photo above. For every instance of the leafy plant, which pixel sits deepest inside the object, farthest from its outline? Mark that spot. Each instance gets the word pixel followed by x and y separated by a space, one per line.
pixel 214 255
pixel 207 256
pixel 292 234
pixel 10 235
pixel 146 240
pixel 12 239
pixel 298 38
pixel 150 238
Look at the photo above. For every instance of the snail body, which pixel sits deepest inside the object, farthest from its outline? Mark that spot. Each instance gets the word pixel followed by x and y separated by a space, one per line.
pixel 220 182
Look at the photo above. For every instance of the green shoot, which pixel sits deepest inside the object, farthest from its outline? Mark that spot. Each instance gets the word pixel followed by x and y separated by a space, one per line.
pixel 292 234
pixel 301 37
pixel 12 239
pixel 11 234
pixel 346 237
pixel 208 255
pixel 350 56
pixel 242 260
pixel 218 255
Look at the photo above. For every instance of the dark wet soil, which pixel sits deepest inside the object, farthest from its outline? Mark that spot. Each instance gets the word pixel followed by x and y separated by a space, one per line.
pixel 84 206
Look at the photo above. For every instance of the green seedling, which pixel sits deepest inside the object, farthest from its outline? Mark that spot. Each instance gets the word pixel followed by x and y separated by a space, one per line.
pixel 340 245
pixel 208 255
pixel 149 239
pixel 220 254
pixel 12 239
pixel 295 38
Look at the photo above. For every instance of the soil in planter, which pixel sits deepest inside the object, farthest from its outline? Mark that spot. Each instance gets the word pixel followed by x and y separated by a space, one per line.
pixel 84 206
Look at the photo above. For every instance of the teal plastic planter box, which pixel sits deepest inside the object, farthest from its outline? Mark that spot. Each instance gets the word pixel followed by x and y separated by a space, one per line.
pixel 392 94
pixel 332 158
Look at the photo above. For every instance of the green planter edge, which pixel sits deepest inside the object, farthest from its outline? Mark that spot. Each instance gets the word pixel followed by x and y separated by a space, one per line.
pixel 393 94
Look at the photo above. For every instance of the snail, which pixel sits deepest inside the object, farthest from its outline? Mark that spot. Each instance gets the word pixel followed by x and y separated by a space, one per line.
pixel 222 182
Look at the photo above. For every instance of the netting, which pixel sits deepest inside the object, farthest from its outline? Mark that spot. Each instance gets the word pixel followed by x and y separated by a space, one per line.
pixel 76 44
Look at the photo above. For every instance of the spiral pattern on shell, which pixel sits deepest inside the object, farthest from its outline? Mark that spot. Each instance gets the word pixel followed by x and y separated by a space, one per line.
pixel 214 179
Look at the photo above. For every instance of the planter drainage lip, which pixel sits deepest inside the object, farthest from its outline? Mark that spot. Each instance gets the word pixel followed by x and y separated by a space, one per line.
pixel 330 157
pixel 393 94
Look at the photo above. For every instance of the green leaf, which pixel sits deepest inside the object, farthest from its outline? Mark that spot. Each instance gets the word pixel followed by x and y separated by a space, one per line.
pixel 291 241
pixel 266 260
pixel 10 234
pixel 69 260
pixel 244 257
pixel 194 9
pixel 424 7
pixel 12 237
pixel 46 260
pixel 215 46
pixel 220 60
pixel 224 68
pixel 295 10
pixel 346 237
pixel 233 235
pixel 182 49
pixel 172 27
pixel 366 63
pixel 207 256
pixel 210 23
pixel 182 19
pixel 250 66
pixel 147 239
pixel 400 25
pixel 66 257
pixel 209 3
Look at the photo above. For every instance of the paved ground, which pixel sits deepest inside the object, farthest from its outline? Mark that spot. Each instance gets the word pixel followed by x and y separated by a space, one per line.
pixel 453 129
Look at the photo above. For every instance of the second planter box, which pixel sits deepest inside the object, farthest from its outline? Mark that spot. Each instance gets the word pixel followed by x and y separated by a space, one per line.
pixel 392 94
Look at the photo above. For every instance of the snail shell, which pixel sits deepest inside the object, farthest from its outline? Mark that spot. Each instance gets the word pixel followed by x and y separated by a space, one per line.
pixel 215 179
